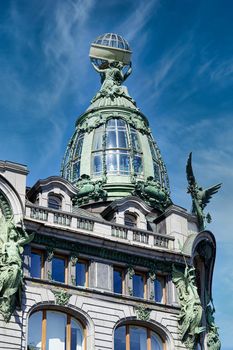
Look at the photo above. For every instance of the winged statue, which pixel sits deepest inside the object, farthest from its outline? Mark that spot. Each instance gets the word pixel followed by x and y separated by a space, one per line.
pixel 200 196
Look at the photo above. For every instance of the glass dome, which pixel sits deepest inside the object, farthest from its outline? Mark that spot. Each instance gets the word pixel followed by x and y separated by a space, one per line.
pixel 113 40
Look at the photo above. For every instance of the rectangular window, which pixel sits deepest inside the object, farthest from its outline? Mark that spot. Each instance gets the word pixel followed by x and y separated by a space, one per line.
pixel 118 280
pixel 81 273
pixel 37 263
pixel 59 266
pixel 139 285
pixel 160 290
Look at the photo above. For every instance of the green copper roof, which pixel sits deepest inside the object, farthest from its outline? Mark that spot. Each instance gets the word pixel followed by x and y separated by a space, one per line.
pixel 112 153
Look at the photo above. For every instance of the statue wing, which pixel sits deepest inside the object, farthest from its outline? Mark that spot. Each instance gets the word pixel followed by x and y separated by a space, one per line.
pixel 189 171
pixel 209 192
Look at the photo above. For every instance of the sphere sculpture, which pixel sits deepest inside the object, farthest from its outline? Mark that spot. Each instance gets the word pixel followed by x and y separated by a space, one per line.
pixel 108 48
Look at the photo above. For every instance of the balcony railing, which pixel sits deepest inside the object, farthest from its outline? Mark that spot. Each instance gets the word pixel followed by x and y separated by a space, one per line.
pixel 100 227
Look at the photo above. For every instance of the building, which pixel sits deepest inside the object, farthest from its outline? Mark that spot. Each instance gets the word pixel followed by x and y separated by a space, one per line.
pixel 100 258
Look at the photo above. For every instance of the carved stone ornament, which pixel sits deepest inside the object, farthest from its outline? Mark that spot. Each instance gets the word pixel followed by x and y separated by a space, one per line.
pixel 89 190
pixel 191 310
pixel 142 312
pixel 50 253
pixel 130 272
pixel 61 297
pixel 152 193
pixel 12 240
pixel 200 196
pixel 74 259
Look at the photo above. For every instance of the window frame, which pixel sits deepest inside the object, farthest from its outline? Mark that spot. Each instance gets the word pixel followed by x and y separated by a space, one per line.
pixel 144 275
pixel 163 280
pixel 67 328
pixel 123 274
pixel 149 332
pixel 65 258
pixel 42 265
pixel 86 263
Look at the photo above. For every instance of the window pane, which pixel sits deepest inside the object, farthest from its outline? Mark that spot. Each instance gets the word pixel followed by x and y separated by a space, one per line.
pixel 79 146
pixel 36 261
pixel 120 338
pixel 156 171
pixel 98 139
pixel 158 290
pixel 124 163
pixel 80 274
pixel 111 162
pixel 76 336
pixel 54 202
pixel 135 141
pixel 55 330
pixel 111 123
pixel 117 281
pixel 76 170
pixel 121 123
pixel 111 139
pixel 97 164
pixel 58 269
pixel 156 343
pixel 138 285
pixel 35 330
pixel 137 163
pixel 122 139
pixel 138 338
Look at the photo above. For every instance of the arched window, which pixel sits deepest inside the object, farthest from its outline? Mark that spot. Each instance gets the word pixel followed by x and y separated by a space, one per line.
pixel 54 201
pixel 116 149
pixel 50 330
pixel 130 220
pixel 133 337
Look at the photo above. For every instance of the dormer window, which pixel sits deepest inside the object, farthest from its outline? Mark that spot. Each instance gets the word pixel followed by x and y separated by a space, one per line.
pixel 130 220
pixel 54 202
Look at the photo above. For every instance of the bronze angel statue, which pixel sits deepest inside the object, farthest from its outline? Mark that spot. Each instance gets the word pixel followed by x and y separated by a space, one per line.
pixel 200 196
pixel 191 310
pixel 12 240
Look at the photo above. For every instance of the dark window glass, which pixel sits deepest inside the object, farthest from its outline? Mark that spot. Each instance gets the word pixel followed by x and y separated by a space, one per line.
pixel 76 170
pixel 36 264
pixel 156 171
pixel 79 146
pixel 119 338
pixel 135 141
pixel 158 290
pixel 117 281
pixel 138 285
pixel 121 123
pixel 130 220
pixel 81 274
pixel 54 202
pixel 58 269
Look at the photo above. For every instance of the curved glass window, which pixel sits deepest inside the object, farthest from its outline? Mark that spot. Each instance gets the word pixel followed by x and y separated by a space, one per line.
pixel 77 157
pixel 54 202
pixel 155 160
pixel 133 337
pixel 116 145
pixel 49 330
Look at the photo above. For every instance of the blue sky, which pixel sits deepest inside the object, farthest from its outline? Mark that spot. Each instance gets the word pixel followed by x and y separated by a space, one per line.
pixel 182 81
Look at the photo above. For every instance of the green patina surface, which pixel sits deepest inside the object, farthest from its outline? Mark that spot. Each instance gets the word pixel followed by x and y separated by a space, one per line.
pixel 191 308
pixel 12 240
pixel 200 196
pixel 79 248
